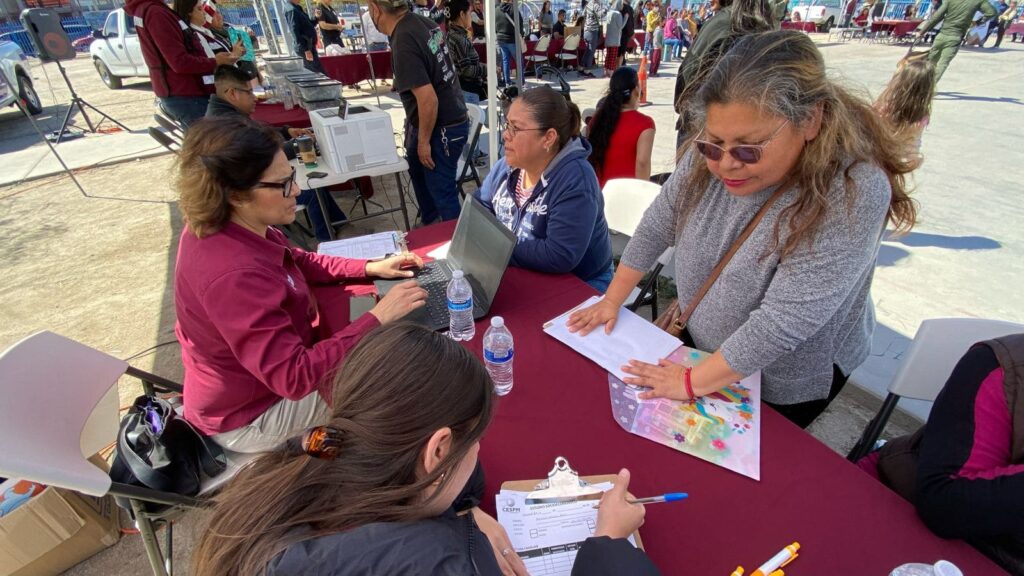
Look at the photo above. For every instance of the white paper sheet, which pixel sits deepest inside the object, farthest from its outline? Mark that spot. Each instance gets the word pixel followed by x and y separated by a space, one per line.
pixel 369 247
pixel 547 536
pixel 632 339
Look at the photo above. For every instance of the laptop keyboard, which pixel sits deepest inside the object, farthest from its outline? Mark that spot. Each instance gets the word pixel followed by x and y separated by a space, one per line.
pixel 434 281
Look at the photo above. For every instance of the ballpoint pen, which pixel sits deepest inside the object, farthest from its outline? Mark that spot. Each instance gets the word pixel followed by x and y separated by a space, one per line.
pixel 670 497
pixel 787 555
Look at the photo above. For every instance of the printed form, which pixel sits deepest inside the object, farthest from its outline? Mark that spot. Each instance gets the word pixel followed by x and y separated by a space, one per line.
pixel 547 536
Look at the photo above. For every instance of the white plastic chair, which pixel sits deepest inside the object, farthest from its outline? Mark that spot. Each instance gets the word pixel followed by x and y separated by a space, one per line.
pixel 61 407
pixel 466 169
pixel 927 364
pixel 569 49
pixel 625 201
pixel 540 52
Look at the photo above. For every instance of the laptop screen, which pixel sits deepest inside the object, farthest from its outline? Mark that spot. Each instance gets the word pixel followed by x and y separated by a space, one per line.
pixel 481 246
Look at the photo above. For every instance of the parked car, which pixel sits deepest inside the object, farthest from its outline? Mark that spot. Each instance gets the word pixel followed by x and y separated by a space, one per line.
pixel 823 13
pixel 15 81
pixel 116 51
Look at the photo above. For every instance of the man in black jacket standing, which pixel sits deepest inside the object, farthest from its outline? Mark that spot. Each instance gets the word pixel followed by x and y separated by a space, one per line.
pixel 305 36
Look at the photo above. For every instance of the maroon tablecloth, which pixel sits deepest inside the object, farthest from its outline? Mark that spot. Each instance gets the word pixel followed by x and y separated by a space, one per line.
pixel 354 68
pixel 845 522
pixel 897 28
pixel 805 26
pixel 1016 28
pixel 276 115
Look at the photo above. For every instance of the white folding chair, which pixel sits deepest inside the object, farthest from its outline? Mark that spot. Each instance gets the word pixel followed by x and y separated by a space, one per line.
pixel 569 49
pixel 540 52
pixel 466 169
pixel 61 407
pixel 927 364
pixel 625 201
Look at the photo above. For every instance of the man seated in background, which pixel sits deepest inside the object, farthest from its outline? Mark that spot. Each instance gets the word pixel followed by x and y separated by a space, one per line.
pixel 234 97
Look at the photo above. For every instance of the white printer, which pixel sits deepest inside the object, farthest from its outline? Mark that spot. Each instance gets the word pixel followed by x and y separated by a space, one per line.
pixel 355 140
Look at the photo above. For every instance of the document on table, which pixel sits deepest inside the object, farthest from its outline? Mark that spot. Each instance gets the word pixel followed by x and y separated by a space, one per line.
pixel 632 338
pixel 547 536
pixel 369 247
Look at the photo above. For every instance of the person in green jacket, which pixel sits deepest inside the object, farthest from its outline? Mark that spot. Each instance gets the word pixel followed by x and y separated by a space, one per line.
pixel 957 17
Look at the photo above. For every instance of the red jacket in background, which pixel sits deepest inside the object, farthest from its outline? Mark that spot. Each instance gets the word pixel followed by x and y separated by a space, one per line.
pixel 177 63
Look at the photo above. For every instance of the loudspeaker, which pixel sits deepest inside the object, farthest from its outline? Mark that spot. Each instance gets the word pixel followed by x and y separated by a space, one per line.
pixel 44 28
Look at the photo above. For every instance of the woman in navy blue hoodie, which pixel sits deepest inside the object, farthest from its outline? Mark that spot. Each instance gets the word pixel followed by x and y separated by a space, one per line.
pixel 546 192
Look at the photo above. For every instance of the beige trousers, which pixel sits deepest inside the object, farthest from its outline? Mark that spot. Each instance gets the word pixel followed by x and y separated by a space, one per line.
pixel 283 420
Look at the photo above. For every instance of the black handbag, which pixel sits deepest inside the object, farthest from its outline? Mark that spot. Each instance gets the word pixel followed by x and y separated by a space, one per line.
pixel 159 450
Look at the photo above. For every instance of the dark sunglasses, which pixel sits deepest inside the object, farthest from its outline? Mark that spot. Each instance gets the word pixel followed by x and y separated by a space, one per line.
pixel 745 153
pixel 285 185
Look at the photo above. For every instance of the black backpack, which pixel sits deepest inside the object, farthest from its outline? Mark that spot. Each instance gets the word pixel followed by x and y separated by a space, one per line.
pixel 157 449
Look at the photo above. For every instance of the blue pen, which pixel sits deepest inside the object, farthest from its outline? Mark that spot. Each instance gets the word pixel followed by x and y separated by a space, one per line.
pixel 670 497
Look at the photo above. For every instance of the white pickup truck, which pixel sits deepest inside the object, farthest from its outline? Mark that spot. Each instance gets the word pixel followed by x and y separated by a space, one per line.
pixel 116 51
pixel 15 81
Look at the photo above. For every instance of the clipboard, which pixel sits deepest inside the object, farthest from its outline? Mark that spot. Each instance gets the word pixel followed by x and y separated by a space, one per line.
pixel 532 485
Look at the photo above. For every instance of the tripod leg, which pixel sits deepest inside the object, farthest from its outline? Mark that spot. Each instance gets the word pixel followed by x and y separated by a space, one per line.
pixel 103 114
pixel 64 124
pixel 88 122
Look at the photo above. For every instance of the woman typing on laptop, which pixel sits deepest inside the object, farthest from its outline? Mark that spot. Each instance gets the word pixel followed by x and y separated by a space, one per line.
pixel 255 371
pixel 391 484
pixel 547 194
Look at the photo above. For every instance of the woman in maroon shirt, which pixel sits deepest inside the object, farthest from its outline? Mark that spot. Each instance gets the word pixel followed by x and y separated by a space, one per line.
pixel 621 137
pixel 253 364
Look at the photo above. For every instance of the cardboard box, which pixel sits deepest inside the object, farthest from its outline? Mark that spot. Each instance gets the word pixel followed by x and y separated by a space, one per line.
pixel 56 530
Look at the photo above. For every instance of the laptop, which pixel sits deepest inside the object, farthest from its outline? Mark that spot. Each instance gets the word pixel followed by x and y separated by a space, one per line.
pixel 481 247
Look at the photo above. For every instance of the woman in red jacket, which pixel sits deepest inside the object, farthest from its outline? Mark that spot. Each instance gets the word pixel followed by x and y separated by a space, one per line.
pixel 255 371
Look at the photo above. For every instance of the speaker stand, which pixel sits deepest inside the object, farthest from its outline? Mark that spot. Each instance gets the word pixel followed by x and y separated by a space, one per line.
pixel 81 103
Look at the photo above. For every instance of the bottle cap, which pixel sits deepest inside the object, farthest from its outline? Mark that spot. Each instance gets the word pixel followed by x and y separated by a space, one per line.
pixel 457 274
pixel 946 568
pixel 497 322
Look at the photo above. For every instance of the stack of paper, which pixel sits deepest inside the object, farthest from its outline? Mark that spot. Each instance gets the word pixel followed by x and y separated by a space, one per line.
pixel 369 247
pixel 632 339
pixel 547 536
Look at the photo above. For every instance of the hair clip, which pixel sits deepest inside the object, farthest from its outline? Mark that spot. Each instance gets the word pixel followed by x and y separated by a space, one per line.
pixel 322 442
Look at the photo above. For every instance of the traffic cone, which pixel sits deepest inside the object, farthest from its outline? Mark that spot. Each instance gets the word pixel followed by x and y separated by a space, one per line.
pixel 643 80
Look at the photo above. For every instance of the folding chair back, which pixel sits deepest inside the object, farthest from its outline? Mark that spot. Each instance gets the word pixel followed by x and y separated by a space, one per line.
pixel 60 407
pixel 172 127
pixel 466 169
pixel 569 48
pixel 927 364
pixel 164 140
pixel 541 47
pixel 625 200
pixel 936 349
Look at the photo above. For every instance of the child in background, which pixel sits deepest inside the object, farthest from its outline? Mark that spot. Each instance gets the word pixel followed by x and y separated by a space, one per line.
pixel 907 101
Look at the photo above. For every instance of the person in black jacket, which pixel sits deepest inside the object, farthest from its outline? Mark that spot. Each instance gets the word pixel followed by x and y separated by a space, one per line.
pixel 391 484
pixel 304 31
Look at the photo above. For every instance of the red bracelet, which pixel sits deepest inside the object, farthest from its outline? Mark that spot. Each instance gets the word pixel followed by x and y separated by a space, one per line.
pixel 689 384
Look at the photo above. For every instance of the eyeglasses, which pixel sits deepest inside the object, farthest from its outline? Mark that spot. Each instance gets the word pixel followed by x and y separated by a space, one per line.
pixel 511 129
pixel 745 153
pixel 284 185
pixel 237 89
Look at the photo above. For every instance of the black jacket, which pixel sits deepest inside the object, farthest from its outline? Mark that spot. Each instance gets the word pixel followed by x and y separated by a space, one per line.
pixel 447 545
pixel 503 24
pixel 303 29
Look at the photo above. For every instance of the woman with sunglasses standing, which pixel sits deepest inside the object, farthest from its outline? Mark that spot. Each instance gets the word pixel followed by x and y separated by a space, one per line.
pixel 255 371
pixel 812 174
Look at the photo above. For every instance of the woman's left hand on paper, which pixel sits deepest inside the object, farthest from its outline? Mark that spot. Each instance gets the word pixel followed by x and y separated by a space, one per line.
pixel 397 266
pixel 665 379
pixel 508 561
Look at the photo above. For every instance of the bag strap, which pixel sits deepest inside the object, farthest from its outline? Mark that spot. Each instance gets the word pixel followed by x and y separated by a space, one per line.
pixel 736 245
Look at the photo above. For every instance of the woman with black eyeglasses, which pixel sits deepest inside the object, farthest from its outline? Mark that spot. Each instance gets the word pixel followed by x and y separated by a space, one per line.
pixel 813 175
pixel 255 370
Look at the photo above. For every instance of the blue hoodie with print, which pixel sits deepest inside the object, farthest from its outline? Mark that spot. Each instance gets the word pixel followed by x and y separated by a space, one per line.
pixel 561 227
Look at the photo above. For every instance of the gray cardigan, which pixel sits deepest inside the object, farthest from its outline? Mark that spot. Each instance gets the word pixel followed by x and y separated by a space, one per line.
pixel 792 319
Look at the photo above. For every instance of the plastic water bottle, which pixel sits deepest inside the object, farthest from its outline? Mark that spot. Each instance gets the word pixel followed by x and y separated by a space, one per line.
pixel 460 308
pixel 498 355
pixel 286 98
pixel 940 568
